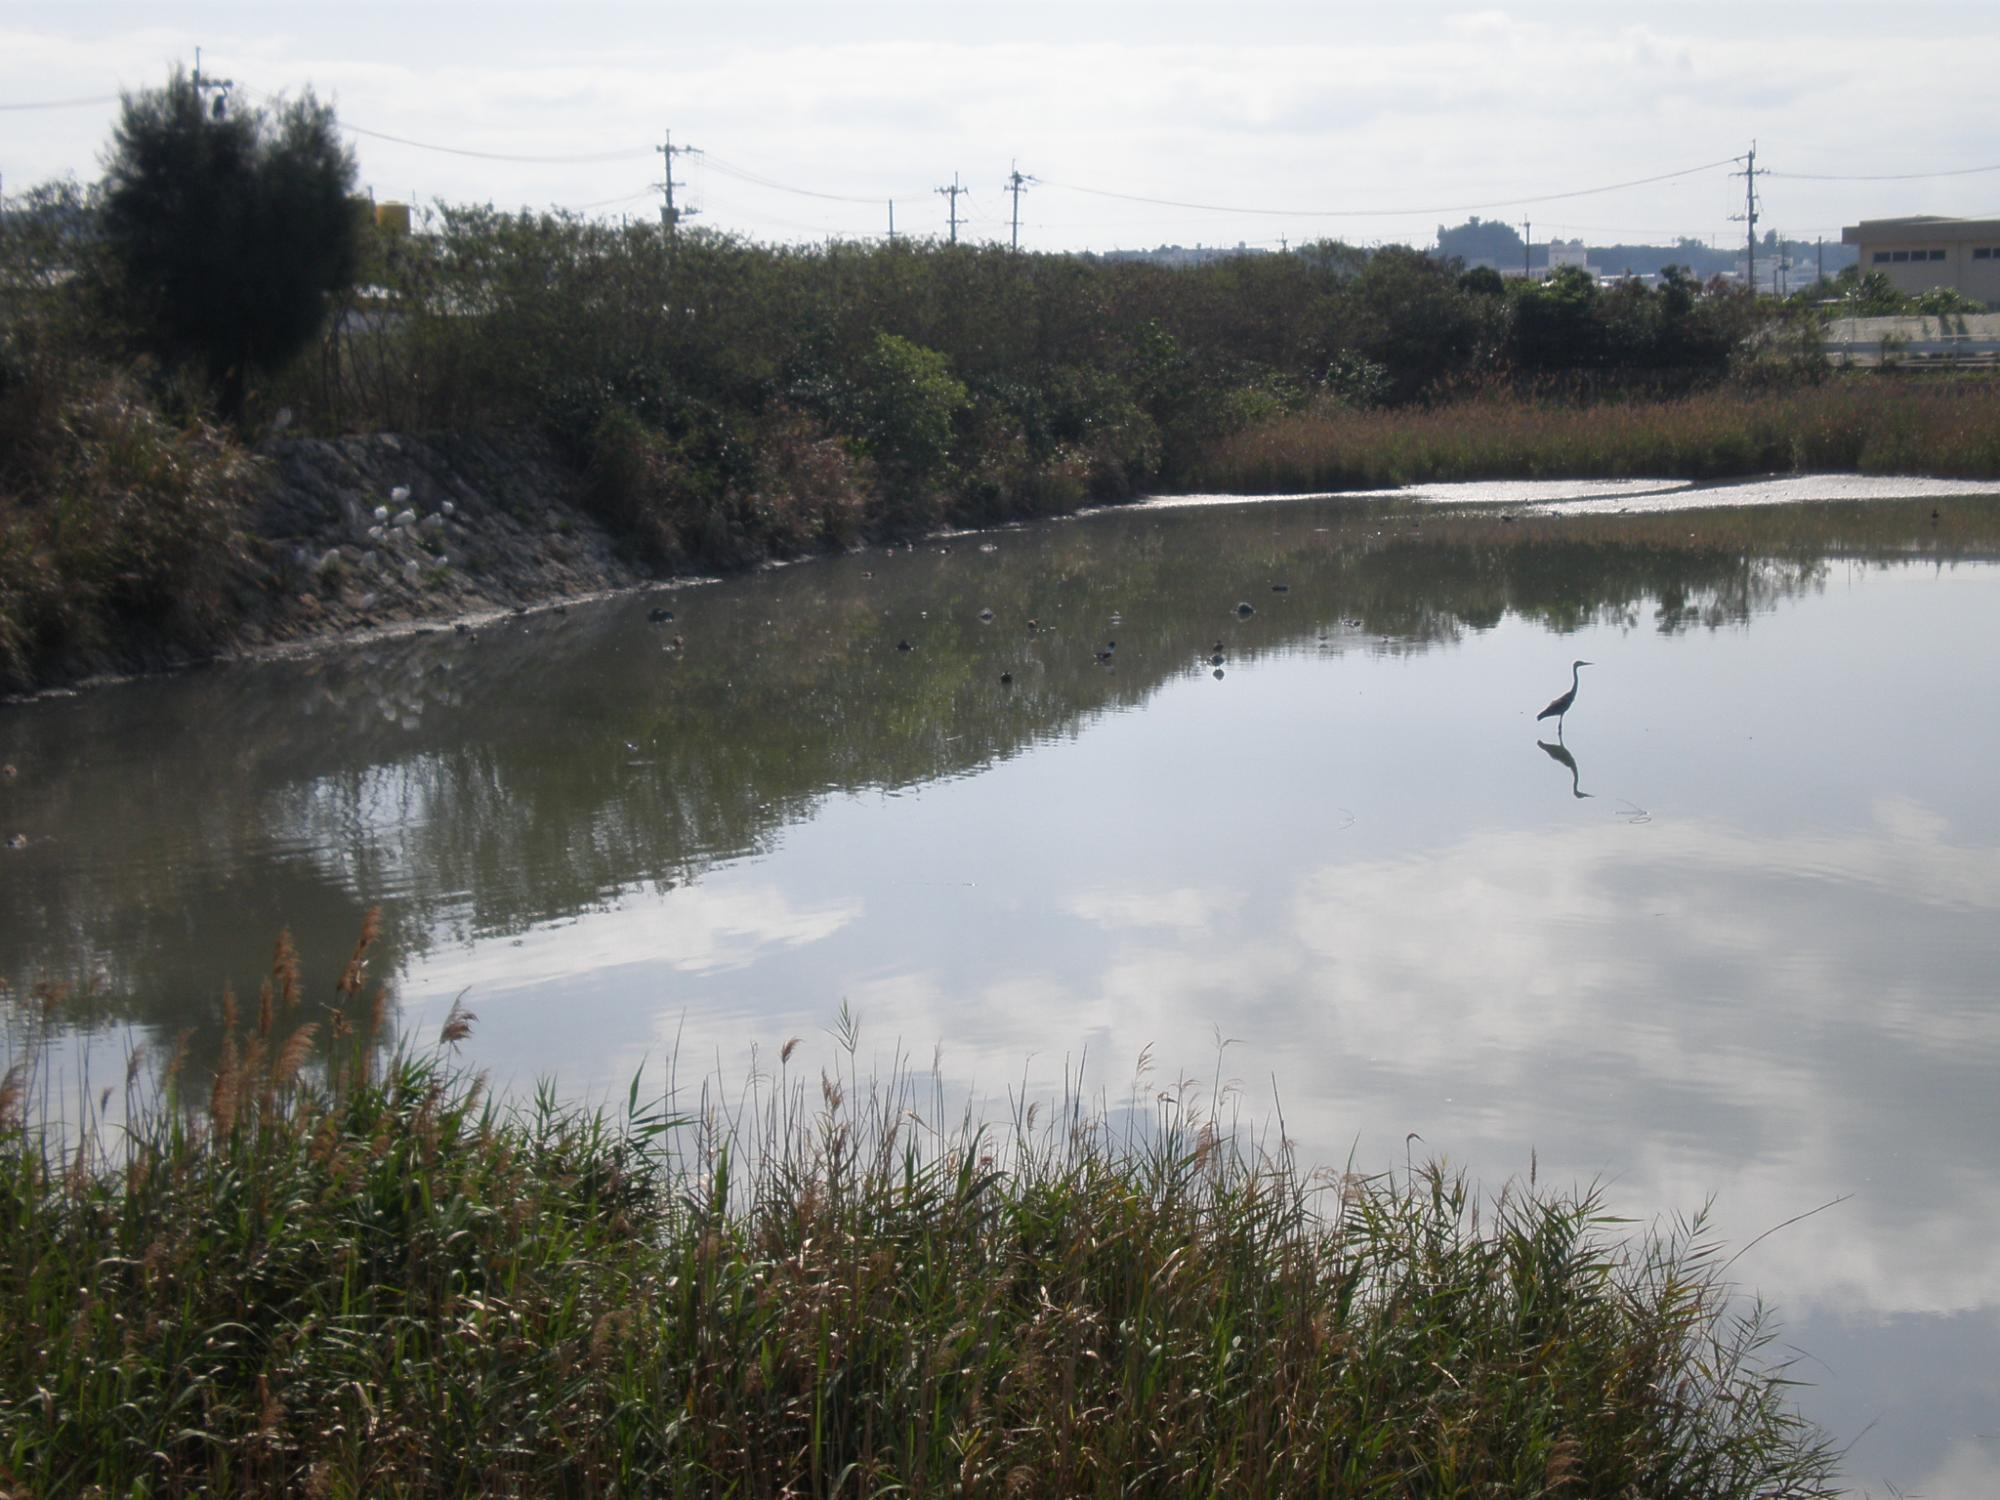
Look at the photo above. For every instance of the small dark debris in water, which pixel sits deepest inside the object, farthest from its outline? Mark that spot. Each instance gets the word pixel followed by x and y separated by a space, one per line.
pixel 1934 516
pixel 17 841
pixel 659 616
pixel 1246 609
pixel 520 609
pixel 1006 678
pixel 867 572
pixel 562 609
pixel 903 646
pixel 9 771
pixel 1034 624
pixel 1281 588
pixel 1216 674
pixel 986 614
pixel 461 628
pixel 1506 515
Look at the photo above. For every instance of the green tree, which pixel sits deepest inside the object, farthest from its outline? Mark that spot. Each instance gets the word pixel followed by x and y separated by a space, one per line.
pixel 909 406
pixel 1869 295
pixel 230 230
pixel 1556 324
pixel 1408 314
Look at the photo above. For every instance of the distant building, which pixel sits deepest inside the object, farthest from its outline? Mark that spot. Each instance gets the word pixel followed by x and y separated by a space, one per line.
pixel 1924 251
pixel 1183 256
pixel 1566 253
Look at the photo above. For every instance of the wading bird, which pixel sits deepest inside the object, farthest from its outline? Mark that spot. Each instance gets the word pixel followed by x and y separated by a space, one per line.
pixel 1562 705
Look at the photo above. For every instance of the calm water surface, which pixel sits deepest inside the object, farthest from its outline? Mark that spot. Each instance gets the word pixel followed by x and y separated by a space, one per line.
pixel 1734 936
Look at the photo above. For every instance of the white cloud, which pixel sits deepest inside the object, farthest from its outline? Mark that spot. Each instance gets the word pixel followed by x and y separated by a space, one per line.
pixel 704 929
pixel 1289 107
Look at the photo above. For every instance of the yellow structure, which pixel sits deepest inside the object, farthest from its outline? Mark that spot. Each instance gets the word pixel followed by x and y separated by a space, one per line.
pixel 392 218
pixel 1925 251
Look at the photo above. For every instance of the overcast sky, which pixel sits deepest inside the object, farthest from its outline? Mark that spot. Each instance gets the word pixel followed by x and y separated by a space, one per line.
pixel 1367 122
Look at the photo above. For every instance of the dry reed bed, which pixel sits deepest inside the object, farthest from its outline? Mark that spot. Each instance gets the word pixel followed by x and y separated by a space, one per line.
pixel 313 1275
pixel 1930 425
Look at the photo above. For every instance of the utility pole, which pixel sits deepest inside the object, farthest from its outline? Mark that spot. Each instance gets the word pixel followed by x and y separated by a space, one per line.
pixel 670 216
pixel 220 87
pixel 892 221
pixel 952 193
pixel 1749 176
pixel 1015 184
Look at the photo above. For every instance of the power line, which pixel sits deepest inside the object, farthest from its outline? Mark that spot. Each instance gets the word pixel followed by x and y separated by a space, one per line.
pixel 744 174
pixel 403 140
pixel 62 103
pixel 584 208
pixel 400 140
pixel 1370 213
pixel 1880 176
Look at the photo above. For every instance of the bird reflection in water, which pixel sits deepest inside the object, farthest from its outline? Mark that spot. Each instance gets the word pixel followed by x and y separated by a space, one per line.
pixel 1560 754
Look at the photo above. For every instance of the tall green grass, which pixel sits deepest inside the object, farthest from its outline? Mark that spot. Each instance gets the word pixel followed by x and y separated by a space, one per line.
pixel 336 1279
pixel 1930 425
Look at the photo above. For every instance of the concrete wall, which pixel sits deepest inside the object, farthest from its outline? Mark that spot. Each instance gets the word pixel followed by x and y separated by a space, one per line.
pixel 1967 338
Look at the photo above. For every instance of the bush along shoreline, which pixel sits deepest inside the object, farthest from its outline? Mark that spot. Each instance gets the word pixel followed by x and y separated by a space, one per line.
pixel 174 544
pixel 336 1270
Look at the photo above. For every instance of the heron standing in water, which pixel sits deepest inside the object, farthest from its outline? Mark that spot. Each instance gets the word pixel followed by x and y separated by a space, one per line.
pixel 1562 705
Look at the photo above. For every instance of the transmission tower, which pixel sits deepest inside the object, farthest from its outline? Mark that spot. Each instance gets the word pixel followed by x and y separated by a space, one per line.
pixel 952 193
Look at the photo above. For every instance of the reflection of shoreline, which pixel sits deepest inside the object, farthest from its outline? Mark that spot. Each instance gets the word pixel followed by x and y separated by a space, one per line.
pixel 517 775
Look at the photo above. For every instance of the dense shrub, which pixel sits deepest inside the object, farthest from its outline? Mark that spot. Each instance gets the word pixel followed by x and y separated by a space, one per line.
pixel 121 539
pixel 316 1274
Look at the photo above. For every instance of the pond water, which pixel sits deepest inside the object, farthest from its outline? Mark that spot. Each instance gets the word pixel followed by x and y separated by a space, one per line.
pixel 1733 935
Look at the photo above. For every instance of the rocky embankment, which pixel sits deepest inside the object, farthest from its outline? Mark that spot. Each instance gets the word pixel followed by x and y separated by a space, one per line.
pixel 386 532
